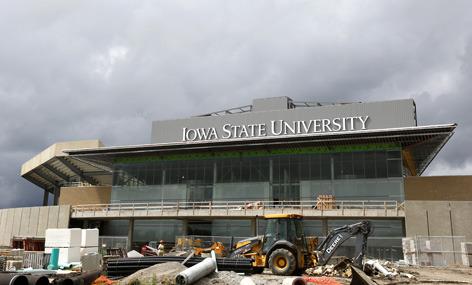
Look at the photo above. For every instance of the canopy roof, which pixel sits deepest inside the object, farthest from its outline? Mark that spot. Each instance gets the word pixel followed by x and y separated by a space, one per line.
pixel 94 164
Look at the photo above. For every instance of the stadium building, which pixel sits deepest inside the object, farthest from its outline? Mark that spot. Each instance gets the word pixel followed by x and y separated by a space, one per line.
pixel 217 174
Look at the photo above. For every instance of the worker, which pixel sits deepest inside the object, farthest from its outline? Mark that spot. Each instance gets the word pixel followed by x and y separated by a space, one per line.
pixel 160 249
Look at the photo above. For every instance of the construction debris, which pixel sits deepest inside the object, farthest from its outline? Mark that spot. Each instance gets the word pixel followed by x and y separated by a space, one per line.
pixel 196 272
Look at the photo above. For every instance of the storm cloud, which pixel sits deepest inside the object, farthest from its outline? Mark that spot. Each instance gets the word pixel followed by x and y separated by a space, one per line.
pixel 81 70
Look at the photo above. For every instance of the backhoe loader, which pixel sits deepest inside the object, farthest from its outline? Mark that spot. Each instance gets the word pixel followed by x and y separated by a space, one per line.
pixel 284 248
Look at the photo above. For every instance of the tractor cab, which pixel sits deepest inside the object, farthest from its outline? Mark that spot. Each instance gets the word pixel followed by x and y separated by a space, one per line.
pixel 287 228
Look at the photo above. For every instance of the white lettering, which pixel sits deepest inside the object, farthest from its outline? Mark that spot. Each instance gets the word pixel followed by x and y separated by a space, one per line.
pixel 305 127
pixel 184 134
pixel 291 128
pixel 262 130
pixel 336 124
pixel 325 123
pixel 317 127
pixel 363 121
pixel 273 125
pixel 243 130
pixel 226 131
pixel 333 246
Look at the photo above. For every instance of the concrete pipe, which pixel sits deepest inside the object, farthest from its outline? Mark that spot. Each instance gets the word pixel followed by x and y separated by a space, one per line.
pixel 294 281
pixel 247 281
pixel 196 272
pixel 13 279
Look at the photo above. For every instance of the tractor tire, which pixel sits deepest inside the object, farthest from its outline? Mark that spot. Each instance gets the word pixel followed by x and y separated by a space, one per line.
pixel 282 262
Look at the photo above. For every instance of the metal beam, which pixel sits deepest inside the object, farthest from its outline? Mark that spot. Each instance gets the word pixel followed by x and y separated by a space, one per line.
pixel 410 162
pixel 46 177
pixel 36 182
pixel 77 171
pixel 56 172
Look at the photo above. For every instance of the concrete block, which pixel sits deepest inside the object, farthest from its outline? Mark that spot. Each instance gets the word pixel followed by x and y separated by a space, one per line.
pixel 3 225
pixel 42 221
pixel 461 226
pixel 17 252
pixel 86 250
pixel 64 217
pixel 416 219
pixel 53 217
pixel 33 222
pixel 89 238
pixel 63 238
pixel 24 222
pixel 9 227
pixel 15 231
pixel 439 218
pixel 66 255
pixel 91 262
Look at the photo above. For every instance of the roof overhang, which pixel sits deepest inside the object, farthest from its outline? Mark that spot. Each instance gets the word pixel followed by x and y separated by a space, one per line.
pixel 421 144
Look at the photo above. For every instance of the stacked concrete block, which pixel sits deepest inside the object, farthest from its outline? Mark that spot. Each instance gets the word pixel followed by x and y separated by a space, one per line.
pixel 67 240
pixel 15 259
pixel 89 243
pixel 409 251
pixel 466 249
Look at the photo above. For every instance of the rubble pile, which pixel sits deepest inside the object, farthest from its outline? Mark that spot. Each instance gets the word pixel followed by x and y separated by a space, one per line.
pixel 159 274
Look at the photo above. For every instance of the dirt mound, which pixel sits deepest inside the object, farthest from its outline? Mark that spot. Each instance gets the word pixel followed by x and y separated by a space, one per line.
pixel 159 274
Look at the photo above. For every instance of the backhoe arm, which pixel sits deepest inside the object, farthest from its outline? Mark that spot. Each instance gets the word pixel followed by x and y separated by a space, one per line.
pixel 338 236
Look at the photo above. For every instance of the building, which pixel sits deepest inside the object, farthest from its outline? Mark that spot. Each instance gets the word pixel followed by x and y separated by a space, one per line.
pixel 216 174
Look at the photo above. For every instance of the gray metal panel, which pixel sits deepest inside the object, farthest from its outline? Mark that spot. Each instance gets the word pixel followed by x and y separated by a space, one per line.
pixel 382 115
pixel 269 104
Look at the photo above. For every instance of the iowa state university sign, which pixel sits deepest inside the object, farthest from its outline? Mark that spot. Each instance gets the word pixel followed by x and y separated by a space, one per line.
pixel 276 128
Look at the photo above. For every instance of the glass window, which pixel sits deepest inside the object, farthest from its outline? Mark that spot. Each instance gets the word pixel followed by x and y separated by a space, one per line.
pixel 381 164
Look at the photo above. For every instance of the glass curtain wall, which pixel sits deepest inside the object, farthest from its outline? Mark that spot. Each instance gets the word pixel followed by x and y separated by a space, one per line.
pixel 367 175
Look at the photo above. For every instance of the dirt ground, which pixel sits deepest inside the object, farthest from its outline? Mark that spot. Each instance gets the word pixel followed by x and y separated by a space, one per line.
pixel 165 274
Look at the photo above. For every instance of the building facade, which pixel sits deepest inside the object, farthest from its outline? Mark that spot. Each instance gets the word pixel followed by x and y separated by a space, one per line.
pixel 274 155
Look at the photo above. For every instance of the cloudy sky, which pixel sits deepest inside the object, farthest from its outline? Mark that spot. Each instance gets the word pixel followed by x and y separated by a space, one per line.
pixel 81 70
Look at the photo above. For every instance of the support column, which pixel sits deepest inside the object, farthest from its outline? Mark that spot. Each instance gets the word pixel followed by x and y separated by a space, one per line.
pixel 253 227
pixel 45 198
pixel 85 224
pixel 325 226
pixel 185 227
pixel 130 234
pixel 56 196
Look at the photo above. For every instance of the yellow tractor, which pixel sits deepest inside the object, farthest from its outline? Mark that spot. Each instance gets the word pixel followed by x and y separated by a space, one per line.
pixel 284 248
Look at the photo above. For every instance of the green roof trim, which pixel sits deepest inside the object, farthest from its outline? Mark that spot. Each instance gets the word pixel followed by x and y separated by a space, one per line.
pixel 252 153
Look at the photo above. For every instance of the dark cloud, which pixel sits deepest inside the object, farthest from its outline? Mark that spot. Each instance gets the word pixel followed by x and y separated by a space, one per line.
pixel 102 70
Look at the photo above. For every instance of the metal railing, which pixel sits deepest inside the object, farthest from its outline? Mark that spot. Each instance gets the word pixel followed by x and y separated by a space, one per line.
pixel 243 208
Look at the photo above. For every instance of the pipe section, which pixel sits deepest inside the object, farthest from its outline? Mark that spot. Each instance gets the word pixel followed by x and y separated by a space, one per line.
pixel 294 281
pixel 13 279
pixel 196 272
pixel 37 280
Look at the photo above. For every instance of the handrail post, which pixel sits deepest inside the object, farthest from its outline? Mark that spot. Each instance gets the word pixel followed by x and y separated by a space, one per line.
pixel 245 207
pixel 385 206
pixel 209 207
pixel 363 208
pixel 227 208
pixel 301 207
pixel 162 207
pixel 147 209
pixel 193 208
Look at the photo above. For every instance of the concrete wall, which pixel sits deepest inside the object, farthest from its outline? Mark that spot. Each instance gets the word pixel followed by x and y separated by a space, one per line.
pixel 439 188
pixel 85 195
pixel 31 221
pixel 438 218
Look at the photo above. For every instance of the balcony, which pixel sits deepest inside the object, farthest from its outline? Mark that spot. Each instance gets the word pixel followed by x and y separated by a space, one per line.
pixel 241 209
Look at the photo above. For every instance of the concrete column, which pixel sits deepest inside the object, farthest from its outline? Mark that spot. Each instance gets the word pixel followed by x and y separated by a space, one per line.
pixel 86 224
pixel 185 227
pixel 325 226
pixel 45 198
pixel 130 234
pixel 253 227
pixel 56 196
